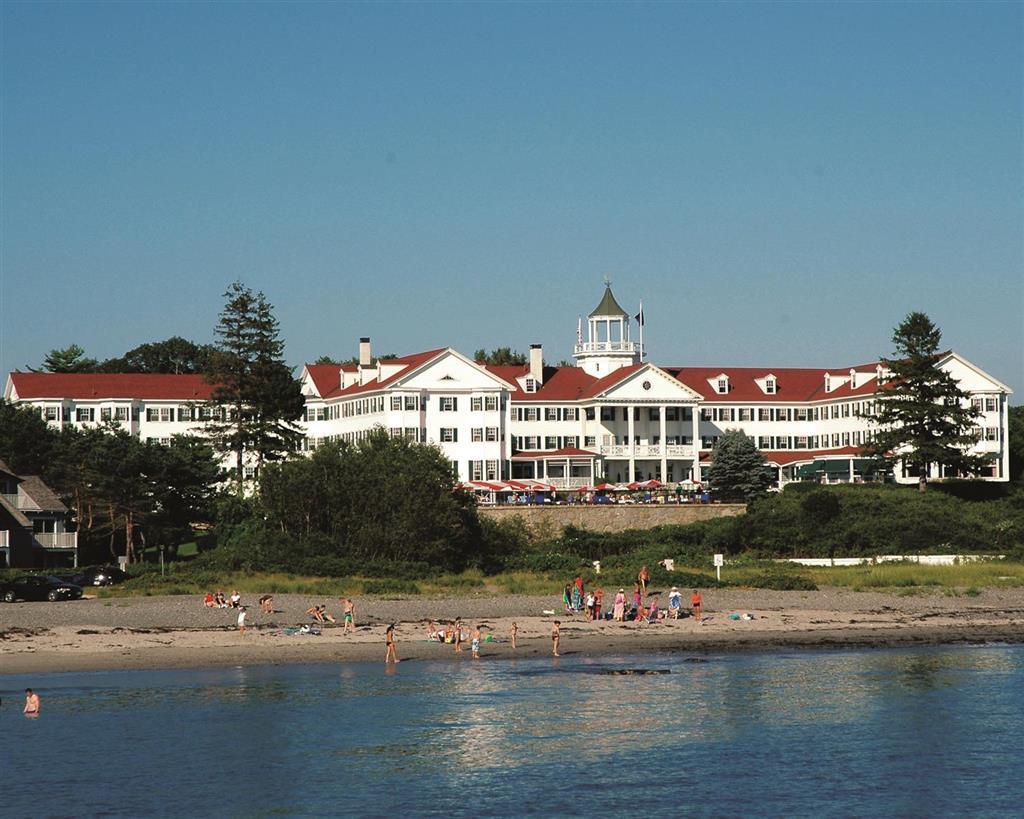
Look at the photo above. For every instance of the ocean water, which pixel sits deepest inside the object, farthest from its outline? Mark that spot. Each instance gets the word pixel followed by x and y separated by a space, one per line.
pixel 923 732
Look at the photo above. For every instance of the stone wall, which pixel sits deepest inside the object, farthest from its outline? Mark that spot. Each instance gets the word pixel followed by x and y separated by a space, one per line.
pixel 551 520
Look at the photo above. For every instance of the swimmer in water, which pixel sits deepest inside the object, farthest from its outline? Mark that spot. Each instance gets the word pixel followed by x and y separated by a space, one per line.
pixel 31 703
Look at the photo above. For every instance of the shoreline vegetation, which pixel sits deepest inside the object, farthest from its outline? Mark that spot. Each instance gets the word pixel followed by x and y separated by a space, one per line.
pixel 177 631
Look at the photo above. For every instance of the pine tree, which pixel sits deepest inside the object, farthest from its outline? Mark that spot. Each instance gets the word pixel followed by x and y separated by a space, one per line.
pixel 255 400
pixel 922 415
pixel 738 469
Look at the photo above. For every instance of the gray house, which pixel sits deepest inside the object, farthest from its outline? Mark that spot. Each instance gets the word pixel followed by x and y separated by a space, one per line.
pixel 33 524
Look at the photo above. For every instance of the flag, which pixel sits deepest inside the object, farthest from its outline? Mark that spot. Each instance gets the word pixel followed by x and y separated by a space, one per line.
pixel 640 317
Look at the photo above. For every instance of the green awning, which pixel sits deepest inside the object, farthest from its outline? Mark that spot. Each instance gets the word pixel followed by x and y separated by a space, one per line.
pixel 836 467
pixel 806 471
pixel 866 465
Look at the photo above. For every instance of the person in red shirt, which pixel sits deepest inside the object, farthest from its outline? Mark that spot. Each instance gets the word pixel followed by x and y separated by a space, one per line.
pixel 696 603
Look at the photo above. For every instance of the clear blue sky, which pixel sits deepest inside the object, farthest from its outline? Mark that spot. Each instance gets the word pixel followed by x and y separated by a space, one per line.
pixel 779 183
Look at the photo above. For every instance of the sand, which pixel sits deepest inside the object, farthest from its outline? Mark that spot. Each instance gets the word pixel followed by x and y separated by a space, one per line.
pixel 179 632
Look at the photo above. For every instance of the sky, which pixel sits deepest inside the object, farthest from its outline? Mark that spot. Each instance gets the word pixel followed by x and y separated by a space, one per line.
pixel 779 183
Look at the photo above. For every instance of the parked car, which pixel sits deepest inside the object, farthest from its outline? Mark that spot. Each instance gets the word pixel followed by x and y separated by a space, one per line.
pixel 101 576
pixel 38 587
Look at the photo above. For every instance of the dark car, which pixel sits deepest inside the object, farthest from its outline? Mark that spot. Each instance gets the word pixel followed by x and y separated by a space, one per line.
pixel 101 576
pixel 38 587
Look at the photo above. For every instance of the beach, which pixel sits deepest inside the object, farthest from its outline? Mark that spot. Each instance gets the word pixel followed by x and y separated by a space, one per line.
pixel 179 632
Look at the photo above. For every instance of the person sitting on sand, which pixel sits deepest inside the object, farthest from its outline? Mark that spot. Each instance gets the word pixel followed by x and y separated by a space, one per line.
pixel 208 600
pixel 267 604
pixel 220 601
pixel 236 600
pixel 675 602
pixel 315 613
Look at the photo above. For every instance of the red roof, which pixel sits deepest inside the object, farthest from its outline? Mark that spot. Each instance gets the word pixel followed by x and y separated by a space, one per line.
pixel 786 457
pixel 327 377
pixel 83 386
pixel 332 386
pixel 791 383
pixel 559 384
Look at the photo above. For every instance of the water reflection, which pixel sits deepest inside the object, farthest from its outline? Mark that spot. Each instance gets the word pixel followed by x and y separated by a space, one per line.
pixel 750 733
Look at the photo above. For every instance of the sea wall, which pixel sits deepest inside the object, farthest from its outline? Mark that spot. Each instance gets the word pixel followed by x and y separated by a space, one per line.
pixel 551 520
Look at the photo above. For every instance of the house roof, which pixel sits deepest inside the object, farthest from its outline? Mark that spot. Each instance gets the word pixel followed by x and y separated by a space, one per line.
pixel 327 377
pixel 784 457
pixel 41 494
pixel 406 362
pixel 97 386
pixel 608 305
pixel 791 383
pixel 559 383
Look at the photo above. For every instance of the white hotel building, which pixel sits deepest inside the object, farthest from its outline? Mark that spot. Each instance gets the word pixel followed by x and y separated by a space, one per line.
pixel 612 415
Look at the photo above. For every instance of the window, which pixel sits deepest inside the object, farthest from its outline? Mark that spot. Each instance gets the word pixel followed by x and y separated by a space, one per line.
pixel 529 385
pixel 800 442
pixel 671 413
pixel 550 413
pixel 411 434
pixel 705 414
pixel 570 414
pixel 448 403
pixel 531 442
pixel 396 403
pixel 449 435
pixel 708 441
pixel 395 432
pixel 105 414
pixel 476 403
pixel 991 433
pixel 590 441
pixel 723 386
pixel 572 441
pixel 551 442
pixel 476 434
pixel 607 413
pixel 159 414
pixel 991 404
pixel 746 414
pixel 476 470
pixel 782 442
pixel 764 414
pixel 51 413
pixel 120 413
pixel 769 386
pixel 491 434
pixel 589 414
pixel 533 413
pixel 491 473
pixel 85 414
pixel 491 403
pixel 412 402
pixel 764 442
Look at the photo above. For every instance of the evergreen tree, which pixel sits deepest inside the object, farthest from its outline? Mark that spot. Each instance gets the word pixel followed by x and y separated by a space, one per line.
pixel 922 415
pixel 499 357
pixel 256 399
pixel 26 441
pixel 69 360
pixel 738 469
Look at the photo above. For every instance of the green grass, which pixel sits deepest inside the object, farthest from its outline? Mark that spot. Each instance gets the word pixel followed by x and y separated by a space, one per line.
pixel 904 576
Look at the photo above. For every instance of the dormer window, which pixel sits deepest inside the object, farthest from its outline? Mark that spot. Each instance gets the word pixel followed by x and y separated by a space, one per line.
pixel 722 385
pixel 769 385
pixel 529 385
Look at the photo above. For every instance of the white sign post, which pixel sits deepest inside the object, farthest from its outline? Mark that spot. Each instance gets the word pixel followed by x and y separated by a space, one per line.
pixel 719 562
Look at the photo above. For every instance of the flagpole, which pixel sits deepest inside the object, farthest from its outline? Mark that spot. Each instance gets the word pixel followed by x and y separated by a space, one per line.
pixel 641 331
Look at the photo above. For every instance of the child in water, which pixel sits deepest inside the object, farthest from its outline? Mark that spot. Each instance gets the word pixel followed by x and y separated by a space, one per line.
pixel 389 638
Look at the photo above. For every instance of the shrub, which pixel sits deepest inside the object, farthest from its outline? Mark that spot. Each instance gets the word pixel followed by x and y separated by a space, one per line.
pixel 390 586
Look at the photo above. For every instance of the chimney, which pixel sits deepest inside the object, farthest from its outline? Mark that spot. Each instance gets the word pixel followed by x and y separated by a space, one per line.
pixel 364 351
pixel 828 382
pixel 853 379
pixel 537 363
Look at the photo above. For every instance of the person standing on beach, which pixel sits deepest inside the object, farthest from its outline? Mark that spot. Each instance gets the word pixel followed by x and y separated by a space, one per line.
pixel 458 635
pixel 512 633
pixel 241 619
pixel 598 600
pixel 475 645
pixel 31 703
pixel 556 633
pixel 349 608
pixel 643 578
pixel 391 656
pixel 619 610
pixel 696 603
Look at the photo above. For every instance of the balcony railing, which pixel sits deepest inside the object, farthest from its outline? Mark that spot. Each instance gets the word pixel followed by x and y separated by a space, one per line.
pixel 568 483
pixel 56 540
pixel 648 451
pixel 607 347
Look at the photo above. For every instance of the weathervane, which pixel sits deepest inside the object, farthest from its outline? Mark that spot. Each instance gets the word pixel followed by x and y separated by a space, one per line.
pixel 607 281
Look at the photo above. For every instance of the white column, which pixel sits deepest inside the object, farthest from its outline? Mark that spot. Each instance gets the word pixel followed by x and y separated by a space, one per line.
pixel 695 426
pixel 632 450
pixel 664 445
